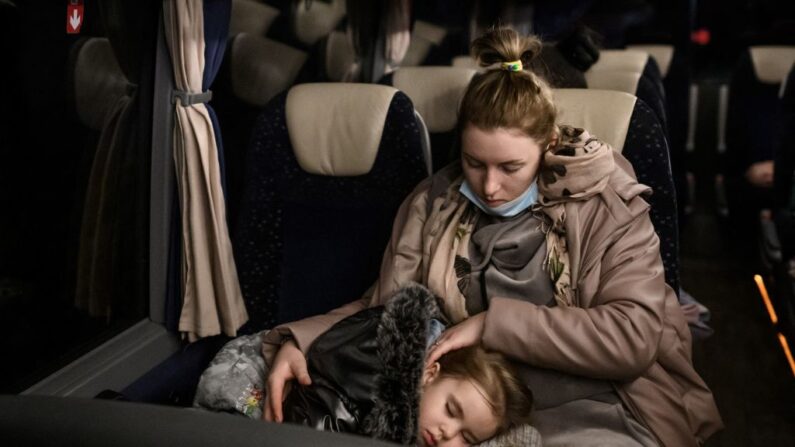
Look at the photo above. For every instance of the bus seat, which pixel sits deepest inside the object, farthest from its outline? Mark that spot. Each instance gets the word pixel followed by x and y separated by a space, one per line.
pixel 621 60
pixel 314 20
pixel 466 62
pixel 251 17
pixel 662 54
pixel 633 61
pixel 255 70
pixel 631 82
pixel 427 45
pixel 260 68
pixel 772 63
pixel 675 71
pixel 436 93
pixel 751 121
pixel 320 195
pixel 632 128
pixel 337 56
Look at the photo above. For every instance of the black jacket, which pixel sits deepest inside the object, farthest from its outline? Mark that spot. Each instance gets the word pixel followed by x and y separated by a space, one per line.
pixel 366 370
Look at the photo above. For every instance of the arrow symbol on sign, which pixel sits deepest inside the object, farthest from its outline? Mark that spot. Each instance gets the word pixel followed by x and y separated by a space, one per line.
pixel 74 21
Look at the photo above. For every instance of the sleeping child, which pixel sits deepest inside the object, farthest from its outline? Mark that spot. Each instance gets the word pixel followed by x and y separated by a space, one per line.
pixel 369 377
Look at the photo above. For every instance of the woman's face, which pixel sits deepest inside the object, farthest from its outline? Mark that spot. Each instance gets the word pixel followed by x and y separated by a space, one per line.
pixel 454 412
pixel 499 164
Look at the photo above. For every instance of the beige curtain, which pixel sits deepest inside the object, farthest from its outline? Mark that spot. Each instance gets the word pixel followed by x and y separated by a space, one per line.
pixel 212 301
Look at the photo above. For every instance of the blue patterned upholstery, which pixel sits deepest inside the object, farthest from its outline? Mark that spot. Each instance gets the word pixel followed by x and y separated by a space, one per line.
pixel 647 149
pixel 307 243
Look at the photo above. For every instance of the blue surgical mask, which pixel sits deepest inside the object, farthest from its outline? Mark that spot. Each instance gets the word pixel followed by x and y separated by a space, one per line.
pixel 508 209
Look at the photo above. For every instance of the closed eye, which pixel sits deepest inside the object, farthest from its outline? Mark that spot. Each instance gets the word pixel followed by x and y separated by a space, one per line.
pixel 473 164
pixel 510 169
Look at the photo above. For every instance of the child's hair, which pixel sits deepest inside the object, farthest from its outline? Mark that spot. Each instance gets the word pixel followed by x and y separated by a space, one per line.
pixel 502 97
pixel 510 399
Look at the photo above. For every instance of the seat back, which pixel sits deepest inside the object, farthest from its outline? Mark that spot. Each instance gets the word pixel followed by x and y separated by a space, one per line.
pixel 251 17
pixel 337 56
pixel 327 167
pixel 662 54
pixel 424 38
pixel 621 60
pixel 616 70
pixel 674 68
pixel 632 128
pixel 260 67
pixel 753 101
pixel 314 20
pixel 436 93
pixel 255 69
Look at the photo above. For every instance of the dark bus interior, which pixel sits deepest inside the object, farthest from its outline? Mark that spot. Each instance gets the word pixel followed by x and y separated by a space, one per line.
pixel 91 291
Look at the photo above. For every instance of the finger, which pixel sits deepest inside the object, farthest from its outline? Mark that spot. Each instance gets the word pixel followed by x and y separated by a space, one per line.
pixel 302 375
pixel 275 399
pixel 438 351
pixel 267 413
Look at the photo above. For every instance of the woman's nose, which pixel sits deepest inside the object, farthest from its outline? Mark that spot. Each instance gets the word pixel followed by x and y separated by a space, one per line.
pixel 491 185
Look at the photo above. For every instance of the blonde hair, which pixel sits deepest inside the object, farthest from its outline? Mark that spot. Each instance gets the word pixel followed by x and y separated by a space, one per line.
pixel 509 99
pixel 509 398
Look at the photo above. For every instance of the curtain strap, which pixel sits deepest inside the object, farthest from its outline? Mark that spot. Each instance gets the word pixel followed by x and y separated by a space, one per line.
pixel 189 98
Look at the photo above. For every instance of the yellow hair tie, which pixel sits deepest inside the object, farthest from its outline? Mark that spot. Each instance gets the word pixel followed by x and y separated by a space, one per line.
pixel 512 66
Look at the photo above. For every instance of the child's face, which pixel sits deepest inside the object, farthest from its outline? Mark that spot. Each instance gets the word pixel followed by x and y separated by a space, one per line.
pixel 453 412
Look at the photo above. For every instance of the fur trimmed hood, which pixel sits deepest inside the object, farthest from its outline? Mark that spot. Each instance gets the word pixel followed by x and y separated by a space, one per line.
pixel 403 335
pixel 367 370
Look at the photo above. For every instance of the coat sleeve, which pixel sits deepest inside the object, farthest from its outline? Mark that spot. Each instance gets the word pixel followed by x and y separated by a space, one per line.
pixel 401 263
pixel 617 338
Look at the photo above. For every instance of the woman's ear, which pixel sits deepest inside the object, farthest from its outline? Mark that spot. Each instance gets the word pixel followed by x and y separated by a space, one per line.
pixel 431 373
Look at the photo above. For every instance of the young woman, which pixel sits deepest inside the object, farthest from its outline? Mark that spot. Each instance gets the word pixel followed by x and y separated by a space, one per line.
pixel 540 242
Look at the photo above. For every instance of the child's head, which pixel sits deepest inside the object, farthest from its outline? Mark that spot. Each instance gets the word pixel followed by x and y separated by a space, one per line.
pixel 469 396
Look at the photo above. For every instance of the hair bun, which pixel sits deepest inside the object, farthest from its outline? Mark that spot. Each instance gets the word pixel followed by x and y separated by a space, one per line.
pixel 501 45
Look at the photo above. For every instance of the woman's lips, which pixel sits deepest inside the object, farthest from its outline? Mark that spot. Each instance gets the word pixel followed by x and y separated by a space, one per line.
pixel 494 203
pixel 428 438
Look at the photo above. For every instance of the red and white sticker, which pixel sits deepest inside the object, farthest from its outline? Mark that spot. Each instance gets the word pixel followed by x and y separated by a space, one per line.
pixel 74 16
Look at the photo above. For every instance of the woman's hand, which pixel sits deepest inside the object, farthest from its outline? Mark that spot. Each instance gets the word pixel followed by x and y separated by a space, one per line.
pixel 466 333
pixel 289 364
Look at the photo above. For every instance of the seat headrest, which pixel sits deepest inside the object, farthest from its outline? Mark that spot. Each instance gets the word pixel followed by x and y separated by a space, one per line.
pixel 340 56
pixel 620 81
pixel 98 82
pixel 605 114
pixel 419 47
pixel 335 128
pixel 261 68
pixel 621 60
pixel 252 17
pixel 467 62
pixel 662 54
pixel 772 63
pixel 436 93
pixel 311 23
pixel 430 32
